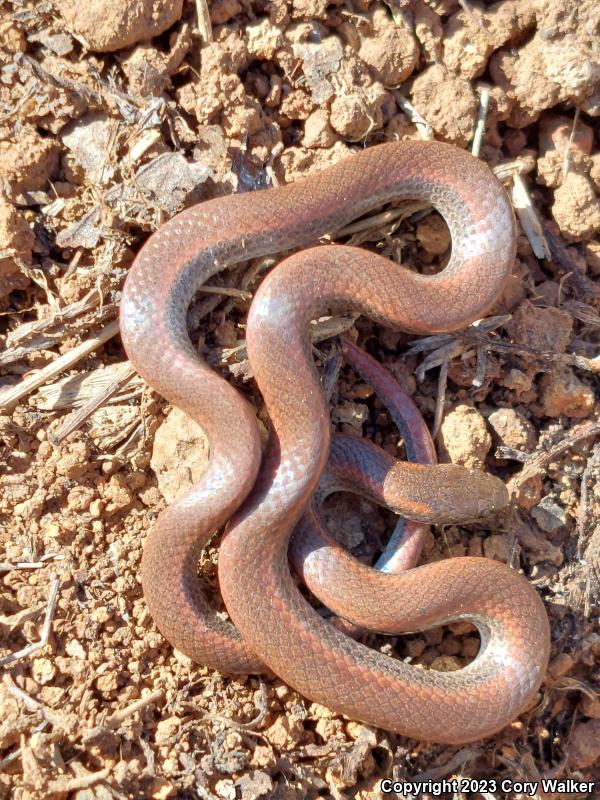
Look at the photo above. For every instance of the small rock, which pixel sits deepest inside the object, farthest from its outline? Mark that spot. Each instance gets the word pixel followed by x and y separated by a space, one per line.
pixel 166 729
pixel 434 636
pixel 107 684
pixel 352 414
pixel 297 105
pixel 285 733
pixel 529 492
pixel 433 235
pixel 148 70
pixel 88 140
pixel 517 381
pixel 576 208
pixel 109 25
pixel 591 251
pixel 544 72
pixel 556 132
pixel 27 165
pixel 321 65
pixel 317 130
pixel 161 788
pixel 75 462
pixel 32 507
pixel 225 788
pixel 461 628
pixel 392 53
pixel 446 664
pixel 590 706
pixel 496 547
pixel 75 649
pixel 222 11
pixel 471 37
pixel 449 104
pixel 546 329
pixel 464 438
pixel 583 747
pixel 179 455
pixel 561 143
pixel 328 728
pixel 560 665
pixel 264 39
pixel 100 615
pixel 563 394
pixel 549 515
pixel 96 508
pixel 43 670
pixel 356 114
pixel 451 646
pixel 363 732
pixel 12 40
pixel 255 784
pixel 16 241
pixel 415 647
pixel 512 429
pixel 79 498
pixel 318 711
pixel 263 756
pixel 118 494
pixel 470 647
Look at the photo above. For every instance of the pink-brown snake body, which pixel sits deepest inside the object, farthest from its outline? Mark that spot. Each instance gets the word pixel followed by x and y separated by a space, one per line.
pixel 278 627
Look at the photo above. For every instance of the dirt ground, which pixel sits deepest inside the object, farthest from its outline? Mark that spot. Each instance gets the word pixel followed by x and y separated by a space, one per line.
pixel 116 114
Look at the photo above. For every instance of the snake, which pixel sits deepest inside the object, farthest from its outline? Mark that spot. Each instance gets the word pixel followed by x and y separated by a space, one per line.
pixel 262 498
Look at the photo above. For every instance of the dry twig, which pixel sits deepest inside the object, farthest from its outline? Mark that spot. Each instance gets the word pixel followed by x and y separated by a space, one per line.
pixel 484 104
pixel 34 647
pixel 538 461
pixel 116 719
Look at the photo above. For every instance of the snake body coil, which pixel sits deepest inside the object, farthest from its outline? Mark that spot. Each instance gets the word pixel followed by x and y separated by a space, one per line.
pixel 264 503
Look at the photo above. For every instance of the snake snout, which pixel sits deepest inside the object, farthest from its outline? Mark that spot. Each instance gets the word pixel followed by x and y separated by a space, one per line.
pixel 466 495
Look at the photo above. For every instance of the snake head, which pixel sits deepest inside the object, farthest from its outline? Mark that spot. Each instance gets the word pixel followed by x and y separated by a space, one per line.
pixel 443 493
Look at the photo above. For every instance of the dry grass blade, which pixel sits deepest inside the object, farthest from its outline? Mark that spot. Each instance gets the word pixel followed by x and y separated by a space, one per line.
pixel 204 24
pixel 440 398
pixel 226 291
pixel 124 374
pixel 91 301
pixel 474 336
pixel 532 227
pixel 569 147
pixel 376 221
pixel 324 328
pixel 563 258
pixel 6 566
pixel 583 312
pixel 484 105
pixel 424 128
pixel 9 397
